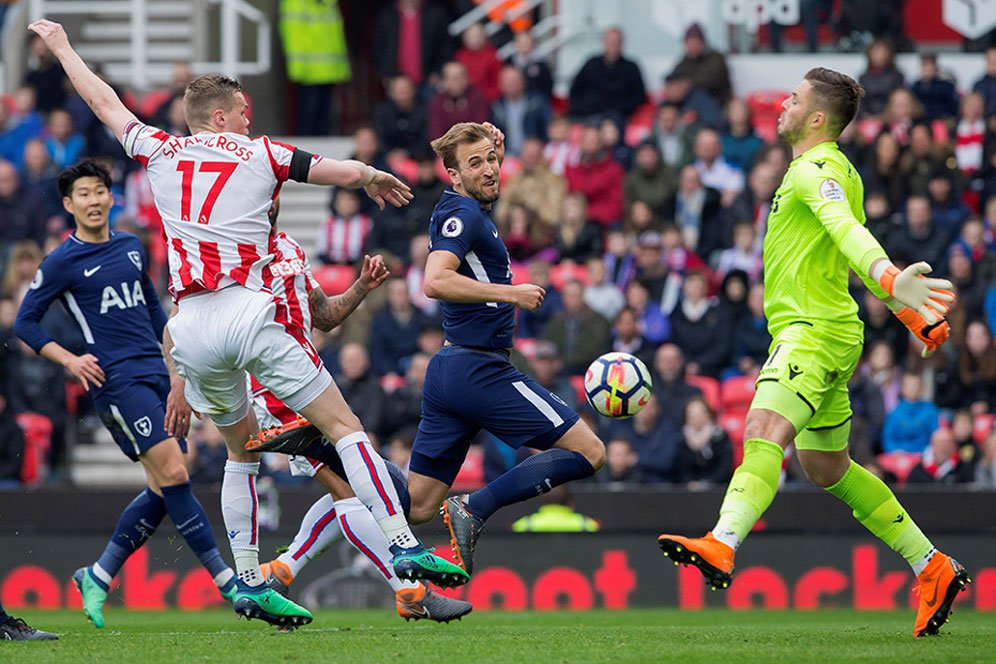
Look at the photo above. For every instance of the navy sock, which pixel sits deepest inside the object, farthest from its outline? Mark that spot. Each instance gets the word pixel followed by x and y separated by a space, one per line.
pixel 190 519
pixel 3 615
pixel 136 525
pixel 326 454
pixel 533 477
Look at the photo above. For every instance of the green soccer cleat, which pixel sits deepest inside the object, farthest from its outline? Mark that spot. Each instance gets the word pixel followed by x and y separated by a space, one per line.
pixel 230 594
pixel 93 596
pixel 417 563
pixel 263 603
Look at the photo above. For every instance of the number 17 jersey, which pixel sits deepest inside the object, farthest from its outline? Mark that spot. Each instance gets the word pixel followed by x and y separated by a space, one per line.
pixel 213 192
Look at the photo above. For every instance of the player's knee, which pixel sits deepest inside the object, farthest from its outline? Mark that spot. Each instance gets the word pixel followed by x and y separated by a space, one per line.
pixel 583 440
pixel 173 473
pixel 822 472
pixel 767 425
pixel 595 454
pixel 422 512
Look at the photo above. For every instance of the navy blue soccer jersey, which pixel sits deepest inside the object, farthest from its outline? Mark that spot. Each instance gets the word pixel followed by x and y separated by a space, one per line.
pixel 461 226
pixel 107 291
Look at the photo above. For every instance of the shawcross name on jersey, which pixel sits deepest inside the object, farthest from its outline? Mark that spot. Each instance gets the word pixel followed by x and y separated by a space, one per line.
pixel 215 141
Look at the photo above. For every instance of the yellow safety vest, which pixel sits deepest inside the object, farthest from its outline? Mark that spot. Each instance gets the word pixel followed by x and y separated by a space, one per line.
pixel 314 41
pixel 555 519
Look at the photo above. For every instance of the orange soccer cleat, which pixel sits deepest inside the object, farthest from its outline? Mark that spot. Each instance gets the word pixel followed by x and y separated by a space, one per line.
pixel 278 576
pixel 421 603
pixel 291 438
pixel 938 585
pixel 713 558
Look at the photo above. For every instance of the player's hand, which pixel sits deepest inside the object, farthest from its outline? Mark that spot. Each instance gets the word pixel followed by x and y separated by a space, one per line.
pixel 499 138
pixel 373 273
pixel 86 369
pixel 386 187
pixel 178 411
pixel 52 33
pixel 932 336
pixel 928 296
pixel 528 296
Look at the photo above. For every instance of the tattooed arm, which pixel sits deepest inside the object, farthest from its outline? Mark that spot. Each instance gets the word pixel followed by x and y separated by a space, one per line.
pixel 328 312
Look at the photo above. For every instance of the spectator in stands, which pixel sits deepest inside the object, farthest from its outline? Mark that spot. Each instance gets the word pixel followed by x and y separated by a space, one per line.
pixel 698 107
pixel 20 126
pixel 649 180
pixel 977 369
pixel 622 464
pixel 704 66
pixel 599 178
pixel 652 323
pixel 180 78
pixel 882 326
pixel 577 238
pixel 919 238
pixel 880 78
pixel 922 158
pixel 360 387
pixel 603 296
pixel 669 382
pixel 986 85
pixel 751 340
pixel 714 170
pixel 531 323
pixel 415 278
pixel 536 186
pixel 517 112
pixel 740 142
pixel 546 366
pixel 39 386
pixel 908 427
pixel 640 218
pixel 700 329
pixel 696 209
pixel 674 138
pixel 985 467
pixel 963 429
pixel 608 83
pixel 705 452
pixel 525 236
pixel 394 229
pixel 654 440
pixel 941 463
pixel 456 102
pixel 39 175
pixel 881 368
pixel 620 264
pixel 753 203
pixel 938 95
pixel 343 235
pixel 64 144
pixel 970 134
pixel 611 135
pixel 678 257
pixel 46 76
pixel 395 329
pixel 11 447
pixel 733 295
pixel 560 150
pixel 400 120
pixel 206 454
pixel 539 78
pixel 651 269
pixel 627 338
pixel 399 447
pixel 880 218
pixel 403 409
pixel 579 333
pixel 411 37
pixel 745 254
pixel 22 214
pixel 901 110
pixel 479 56
pixel 366 148
pixel 175 124
pixel 947 208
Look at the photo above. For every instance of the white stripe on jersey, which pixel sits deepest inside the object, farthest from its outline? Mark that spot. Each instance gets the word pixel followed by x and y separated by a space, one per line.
pixel 78 314
pixel 536 400
pixel 479 272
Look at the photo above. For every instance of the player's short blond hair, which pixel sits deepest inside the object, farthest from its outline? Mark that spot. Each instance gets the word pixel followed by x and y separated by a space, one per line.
pixel 204 95
pixel 459 134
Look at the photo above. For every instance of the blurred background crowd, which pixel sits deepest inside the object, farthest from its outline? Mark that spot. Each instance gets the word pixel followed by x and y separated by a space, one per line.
pixel 640 208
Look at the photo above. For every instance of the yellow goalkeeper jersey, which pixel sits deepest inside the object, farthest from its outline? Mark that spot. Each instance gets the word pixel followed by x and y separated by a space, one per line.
pixel 818 203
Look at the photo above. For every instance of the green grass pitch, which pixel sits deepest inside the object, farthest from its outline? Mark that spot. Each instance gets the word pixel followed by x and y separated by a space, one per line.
pixel 664 635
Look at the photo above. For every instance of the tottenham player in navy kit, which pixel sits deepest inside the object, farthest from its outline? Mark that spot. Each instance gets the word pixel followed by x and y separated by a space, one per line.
pixel 100 275
pixel 470 383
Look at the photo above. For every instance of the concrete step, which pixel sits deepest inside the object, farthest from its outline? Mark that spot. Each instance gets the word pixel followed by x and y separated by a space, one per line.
pixel 104 475
pixel 154 8
pixel 120 52
pixel 121 30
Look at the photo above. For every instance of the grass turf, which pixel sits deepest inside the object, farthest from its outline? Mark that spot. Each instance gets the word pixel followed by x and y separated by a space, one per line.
pixel 598 636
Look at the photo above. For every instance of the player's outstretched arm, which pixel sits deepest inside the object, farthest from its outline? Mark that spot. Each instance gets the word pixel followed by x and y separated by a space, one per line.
pixel 327 313
pixel 381 186
pixel 443 282
pixel 96 93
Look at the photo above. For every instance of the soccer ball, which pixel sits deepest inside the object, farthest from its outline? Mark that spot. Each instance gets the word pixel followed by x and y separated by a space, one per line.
pixel 617 385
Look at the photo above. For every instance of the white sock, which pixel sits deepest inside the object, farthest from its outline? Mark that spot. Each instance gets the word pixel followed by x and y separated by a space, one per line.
pixel 319 530
pixel 364 533
pixel 727 537
pixel 239 508
pixel 921 564
pixel 367 474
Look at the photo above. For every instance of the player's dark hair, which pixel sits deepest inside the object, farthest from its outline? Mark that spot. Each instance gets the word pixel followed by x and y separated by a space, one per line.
pixel 837 94
pixel 204 95
pixel 84 169
pixel 459 134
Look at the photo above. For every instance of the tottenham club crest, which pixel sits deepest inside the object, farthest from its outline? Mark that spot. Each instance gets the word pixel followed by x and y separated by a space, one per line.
pixel 452 227
pixel 143 426
pixel 136 258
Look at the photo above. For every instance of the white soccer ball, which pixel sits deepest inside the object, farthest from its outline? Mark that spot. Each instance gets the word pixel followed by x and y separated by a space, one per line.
pixel 617 385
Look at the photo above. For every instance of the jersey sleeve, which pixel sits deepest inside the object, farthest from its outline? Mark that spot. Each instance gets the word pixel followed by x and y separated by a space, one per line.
pixel 455 232
pixel 821 191
pixel 141 142
pixel 45 288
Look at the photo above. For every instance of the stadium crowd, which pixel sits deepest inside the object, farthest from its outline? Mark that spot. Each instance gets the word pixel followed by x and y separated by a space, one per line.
pixel 641 212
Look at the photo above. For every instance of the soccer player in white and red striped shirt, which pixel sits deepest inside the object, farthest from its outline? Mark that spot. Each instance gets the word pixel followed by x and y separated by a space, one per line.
pixel 213 190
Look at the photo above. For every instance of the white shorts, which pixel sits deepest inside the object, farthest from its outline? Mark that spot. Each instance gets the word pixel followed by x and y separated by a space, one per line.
pixel 218 336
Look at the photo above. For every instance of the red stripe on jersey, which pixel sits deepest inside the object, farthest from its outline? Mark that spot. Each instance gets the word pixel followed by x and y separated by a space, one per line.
pixel 255 386
pixel 293 301
pixel 144 161
pixel 247 258
pixel 277 408
pixel 281 172
pixel 211 258
pixel 286 146
pixel 185 279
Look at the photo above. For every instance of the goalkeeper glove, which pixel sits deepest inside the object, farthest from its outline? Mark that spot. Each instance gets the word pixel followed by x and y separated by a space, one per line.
pixel 933 336
pixel 927 296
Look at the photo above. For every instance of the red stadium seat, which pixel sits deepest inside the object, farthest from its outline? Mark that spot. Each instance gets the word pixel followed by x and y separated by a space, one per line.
pixel 765 107
pixel 736 393
pixel 391 382
pixel 37 441
pixel 471 475
pixel 526 347
pixel 733 424
pixel 404 167
pixel 899 464
pixel 982 425
pixel 561 273
pixel 334 279
pixel 577 382
pixel 520 273
pixel 640 124
pixel 710 390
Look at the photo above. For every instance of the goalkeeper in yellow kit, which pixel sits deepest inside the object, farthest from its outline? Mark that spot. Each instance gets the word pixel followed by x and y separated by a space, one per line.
pixel 815 235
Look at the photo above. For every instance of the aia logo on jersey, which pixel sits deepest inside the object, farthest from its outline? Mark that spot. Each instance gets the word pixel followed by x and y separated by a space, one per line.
pixel 136 259
pixel 129 296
